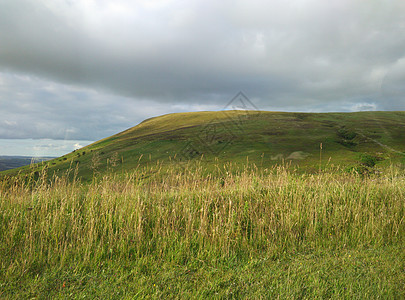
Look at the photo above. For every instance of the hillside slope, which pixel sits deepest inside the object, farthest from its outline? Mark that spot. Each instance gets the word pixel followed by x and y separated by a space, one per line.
pixel 263 138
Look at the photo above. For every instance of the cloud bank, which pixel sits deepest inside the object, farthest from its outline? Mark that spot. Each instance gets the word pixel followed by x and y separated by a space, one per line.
pixel 90 68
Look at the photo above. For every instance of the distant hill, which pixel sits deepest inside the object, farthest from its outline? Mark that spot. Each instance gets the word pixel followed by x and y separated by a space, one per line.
pixel 12 162
pixel 261 137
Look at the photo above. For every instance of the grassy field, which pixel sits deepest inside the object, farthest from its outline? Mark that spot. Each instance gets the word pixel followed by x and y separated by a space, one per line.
pixel 230 231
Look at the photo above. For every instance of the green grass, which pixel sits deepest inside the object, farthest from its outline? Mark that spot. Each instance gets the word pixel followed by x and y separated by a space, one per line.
pixel 254 209
pixel 265 138
pixel 229 231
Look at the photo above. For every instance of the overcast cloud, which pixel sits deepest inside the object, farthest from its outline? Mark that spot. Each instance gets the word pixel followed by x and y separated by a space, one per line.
pixel 83 70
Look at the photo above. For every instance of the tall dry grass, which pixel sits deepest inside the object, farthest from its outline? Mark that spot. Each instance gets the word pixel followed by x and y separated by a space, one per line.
pixel 175 214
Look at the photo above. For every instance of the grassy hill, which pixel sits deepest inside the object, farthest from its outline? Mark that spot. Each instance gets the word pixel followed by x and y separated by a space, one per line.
pixel 217 228
pixel 264 138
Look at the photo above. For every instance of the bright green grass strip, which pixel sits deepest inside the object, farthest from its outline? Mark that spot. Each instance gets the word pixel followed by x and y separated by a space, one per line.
pixel 367 273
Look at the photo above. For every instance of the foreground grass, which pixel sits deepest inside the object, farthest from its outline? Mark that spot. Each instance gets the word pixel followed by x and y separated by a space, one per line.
pixel 185 233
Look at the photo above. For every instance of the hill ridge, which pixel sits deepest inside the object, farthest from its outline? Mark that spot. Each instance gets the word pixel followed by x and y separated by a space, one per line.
pixel 258 135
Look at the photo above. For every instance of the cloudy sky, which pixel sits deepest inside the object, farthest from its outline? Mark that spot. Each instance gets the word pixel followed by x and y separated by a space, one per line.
pixel 75 71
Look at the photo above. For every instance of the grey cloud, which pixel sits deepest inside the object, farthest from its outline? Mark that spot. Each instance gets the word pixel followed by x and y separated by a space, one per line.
pixel 84 70
pixel 35 108
pixel 295 51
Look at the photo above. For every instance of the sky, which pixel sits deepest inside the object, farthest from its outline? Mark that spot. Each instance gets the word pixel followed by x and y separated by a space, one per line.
pixel 75 71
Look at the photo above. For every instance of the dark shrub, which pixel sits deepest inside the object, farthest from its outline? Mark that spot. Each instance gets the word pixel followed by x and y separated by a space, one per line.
pixel 368 160
pixel 346 134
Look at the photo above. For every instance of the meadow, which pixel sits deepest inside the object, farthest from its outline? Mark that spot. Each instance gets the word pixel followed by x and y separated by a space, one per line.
pixel 233 231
